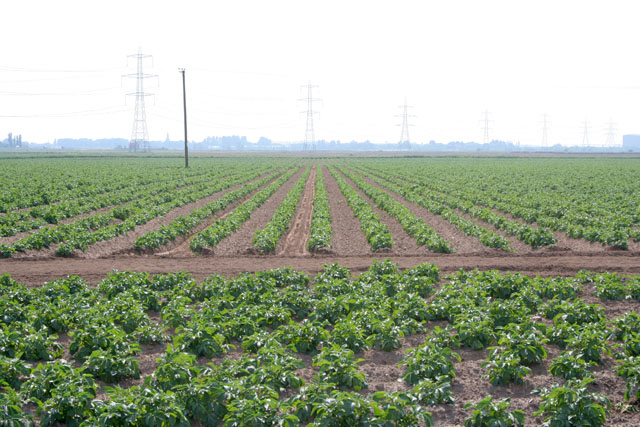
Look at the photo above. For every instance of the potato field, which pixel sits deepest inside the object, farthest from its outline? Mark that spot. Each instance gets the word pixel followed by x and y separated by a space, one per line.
pixel 319 290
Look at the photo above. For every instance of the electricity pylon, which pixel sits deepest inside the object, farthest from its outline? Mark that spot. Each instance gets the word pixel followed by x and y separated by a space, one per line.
pixel 309 135
pixel 405 141
pixel 139 135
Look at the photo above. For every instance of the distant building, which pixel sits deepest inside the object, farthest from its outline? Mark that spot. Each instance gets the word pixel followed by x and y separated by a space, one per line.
pixel 12 141
pixel 631 142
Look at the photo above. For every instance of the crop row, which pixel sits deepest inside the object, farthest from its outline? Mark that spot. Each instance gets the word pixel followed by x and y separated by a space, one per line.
pixel 377 234
pixel 320 232
pixel 142 213
pixel 592 199
pixel 183 225
pixel 86 231
pixel 266 239
pixel 221 228
pixel 413 195
pixel 40 216
pixel 535 237
pixel 600 206
pixel 276 316
pixel 40 181
pixel 414 226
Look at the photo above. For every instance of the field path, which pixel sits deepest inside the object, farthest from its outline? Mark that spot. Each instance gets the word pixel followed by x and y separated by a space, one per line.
pixel 295 241
pixel 35 272
pixel 241 241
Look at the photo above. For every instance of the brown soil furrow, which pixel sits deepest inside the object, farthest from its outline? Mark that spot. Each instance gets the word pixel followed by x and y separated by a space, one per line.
pixel 611 308
pixel 347 237
pixel 564 242
pixel 9 240
pixel 124 243
pixel 180 246
pixel 241 241
pixel 518 246
pixel 460 241
pixel 35 272
pixel 295 241
pixel 472 384
pixel 403 244
pixel 26 209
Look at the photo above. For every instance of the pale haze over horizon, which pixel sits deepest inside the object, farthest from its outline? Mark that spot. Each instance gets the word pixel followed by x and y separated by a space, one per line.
pixel 245 61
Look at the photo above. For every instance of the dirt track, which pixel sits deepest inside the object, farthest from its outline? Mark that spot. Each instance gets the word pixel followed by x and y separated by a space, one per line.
pixel 295 241
pixel 35 272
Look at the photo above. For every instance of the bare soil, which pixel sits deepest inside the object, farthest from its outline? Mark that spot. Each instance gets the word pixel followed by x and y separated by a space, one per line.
pixel 403 244
pixel 567 243
pixel 180 247
pixel 36 271
pixel 460 241
pixel 518 246
pixel 10 240
pixel 241 242
pixel 347 238
pixel 124 243
pixel 564 242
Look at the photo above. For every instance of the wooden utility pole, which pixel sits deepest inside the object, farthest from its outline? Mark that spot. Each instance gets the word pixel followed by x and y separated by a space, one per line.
pixel 184 101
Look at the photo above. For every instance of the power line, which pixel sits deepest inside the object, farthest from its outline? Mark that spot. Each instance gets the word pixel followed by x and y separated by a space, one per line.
pixel 240 113
pixel 97 111
pixel 84 92
pixel 236 72
pixel 47 79
pixel 241 98
pixel 585 134
pixel 139 135
pixel 212 125
pixel 41 70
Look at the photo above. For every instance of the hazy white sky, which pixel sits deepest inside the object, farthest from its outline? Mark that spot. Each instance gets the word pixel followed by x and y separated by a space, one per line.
pixel 62 61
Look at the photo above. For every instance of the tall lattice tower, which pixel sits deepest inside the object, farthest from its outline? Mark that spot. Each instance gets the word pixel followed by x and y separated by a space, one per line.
pixel 485 127
pixel 139 135
pixel 545 130
pixel 309 135
pixel 611 135
pixel 405 141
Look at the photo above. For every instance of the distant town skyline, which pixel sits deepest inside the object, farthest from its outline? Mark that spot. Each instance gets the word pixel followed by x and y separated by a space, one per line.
pixel 61 73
